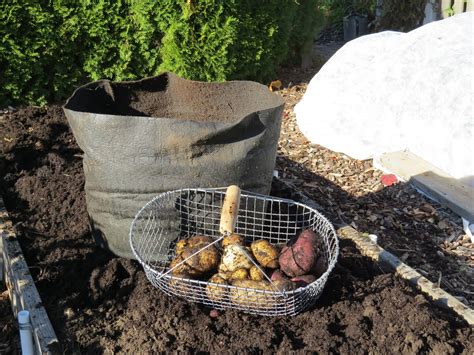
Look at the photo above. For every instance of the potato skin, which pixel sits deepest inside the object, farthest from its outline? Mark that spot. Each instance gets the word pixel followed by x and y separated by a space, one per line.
pixel 232 239
pixel 198 240
pixel 265 253
pixel 180 246
pixel 240 274
pixel 256 274
pixel 250 298
pixel 216 293
pixel 304 280
pixel 300 255
pixel 234 258
pixel 205 261
pixel 199 264
pixel 182 269
pixel 277 275
pixel 265 285
pixel 225 275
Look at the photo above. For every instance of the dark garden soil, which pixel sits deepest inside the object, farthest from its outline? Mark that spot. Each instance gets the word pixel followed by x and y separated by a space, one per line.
pixel 170 96
pixel 98 302
pixel 9 339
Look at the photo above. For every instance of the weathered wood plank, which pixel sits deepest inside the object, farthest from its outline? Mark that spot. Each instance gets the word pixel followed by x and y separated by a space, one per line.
pixel 22 290
pixel 377 253
pixel 431 180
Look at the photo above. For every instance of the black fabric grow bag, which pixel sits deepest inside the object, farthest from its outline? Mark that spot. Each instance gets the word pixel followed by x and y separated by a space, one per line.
pixel 158 134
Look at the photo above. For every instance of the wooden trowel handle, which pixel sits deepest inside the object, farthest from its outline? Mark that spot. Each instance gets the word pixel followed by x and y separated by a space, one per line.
pixel 230 210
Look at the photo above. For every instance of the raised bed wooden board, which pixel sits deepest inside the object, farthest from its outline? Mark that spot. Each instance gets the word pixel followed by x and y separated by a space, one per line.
pixel 448 191
pixel 377 253
pixel 22 290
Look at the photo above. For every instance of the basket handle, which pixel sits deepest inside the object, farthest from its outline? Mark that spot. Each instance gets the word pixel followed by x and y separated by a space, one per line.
pixel 229 213
pixel 230 210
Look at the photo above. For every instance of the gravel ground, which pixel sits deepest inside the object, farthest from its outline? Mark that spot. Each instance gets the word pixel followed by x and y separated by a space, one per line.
pixel 419 231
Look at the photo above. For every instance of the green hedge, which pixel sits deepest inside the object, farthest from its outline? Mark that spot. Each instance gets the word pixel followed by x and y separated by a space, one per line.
pixel 49 47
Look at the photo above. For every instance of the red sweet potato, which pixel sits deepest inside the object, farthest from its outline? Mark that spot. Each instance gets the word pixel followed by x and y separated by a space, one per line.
pixel 277 275
pixel 300 255
pixel 303 280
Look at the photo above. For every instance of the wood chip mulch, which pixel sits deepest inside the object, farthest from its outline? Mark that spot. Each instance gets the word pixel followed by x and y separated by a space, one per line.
pixel 418 230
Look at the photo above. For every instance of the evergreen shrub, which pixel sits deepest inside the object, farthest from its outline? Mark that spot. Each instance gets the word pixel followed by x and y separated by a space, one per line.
pixel 49 47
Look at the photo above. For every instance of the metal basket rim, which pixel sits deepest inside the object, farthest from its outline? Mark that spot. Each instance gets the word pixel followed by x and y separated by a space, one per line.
pixel 244 193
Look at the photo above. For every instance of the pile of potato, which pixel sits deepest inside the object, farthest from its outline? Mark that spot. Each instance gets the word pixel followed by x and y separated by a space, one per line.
pixel 294 265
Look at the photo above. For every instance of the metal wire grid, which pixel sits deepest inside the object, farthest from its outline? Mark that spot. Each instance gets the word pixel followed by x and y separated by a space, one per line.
pixel 182 213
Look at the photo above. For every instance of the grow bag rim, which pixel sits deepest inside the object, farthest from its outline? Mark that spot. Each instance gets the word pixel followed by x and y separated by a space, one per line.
pixel 175 121
pixel 278 100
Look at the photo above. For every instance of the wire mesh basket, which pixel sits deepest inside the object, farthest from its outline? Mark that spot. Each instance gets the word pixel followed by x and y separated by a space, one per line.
pixel 178 214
